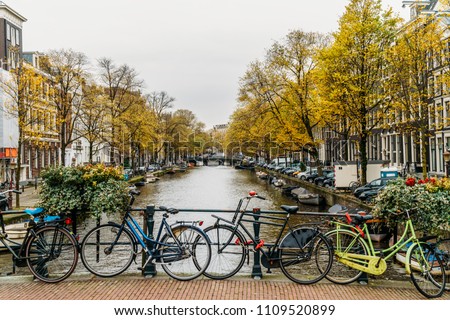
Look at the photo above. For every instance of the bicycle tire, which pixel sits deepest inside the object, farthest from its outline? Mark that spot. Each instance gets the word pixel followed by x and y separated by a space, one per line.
pixel 305 256
pixel 443 250
pixel 51 253
pixel 427 270
pixel 185 255
pixel 339 239
pixel 103 260
pixel 226 263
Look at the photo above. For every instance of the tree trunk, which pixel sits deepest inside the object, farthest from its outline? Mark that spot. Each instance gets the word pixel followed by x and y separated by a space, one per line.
pixel 19 166
pixel 423 153
pixel 63 144
pixel 91 152
pixel 111 150
pixel 363 157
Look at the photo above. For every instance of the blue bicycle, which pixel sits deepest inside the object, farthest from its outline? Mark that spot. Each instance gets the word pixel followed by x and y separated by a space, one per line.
pixel 183 250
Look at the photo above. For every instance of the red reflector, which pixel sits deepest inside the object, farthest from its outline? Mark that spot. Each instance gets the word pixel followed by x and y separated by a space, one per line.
pixel 68 221
pixel 200 223
pixel 252 193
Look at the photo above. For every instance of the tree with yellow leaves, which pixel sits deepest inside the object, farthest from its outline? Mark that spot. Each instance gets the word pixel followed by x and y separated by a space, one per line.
pixel 416 76
pixel 23 87
pixel 67 70
pixel 353 67
pixel 283 86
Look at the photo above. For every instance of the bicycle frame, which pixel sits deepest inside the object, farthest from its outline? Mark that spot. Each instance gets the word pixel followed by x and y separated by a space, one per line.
pixel 237 223
pixel 142 239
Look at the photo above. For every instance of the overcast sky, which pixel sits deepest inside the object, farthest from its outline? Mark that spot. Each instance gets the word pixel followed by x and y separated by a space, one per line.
pixel 196 50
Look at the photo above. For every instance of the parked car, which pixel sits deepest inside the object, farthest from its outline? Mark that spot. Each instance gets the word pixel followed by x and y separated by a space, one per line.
pixel 320 180
pixel 369 195
pixel 373 185
pixel 329 182
pixel 280 167
pixel 302 175
pixel 290 171
pixel 311 177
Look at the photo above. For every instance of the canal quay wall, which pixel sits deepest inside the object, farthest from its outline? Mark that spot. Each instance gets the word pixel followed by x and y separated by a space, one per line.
pixel 331 196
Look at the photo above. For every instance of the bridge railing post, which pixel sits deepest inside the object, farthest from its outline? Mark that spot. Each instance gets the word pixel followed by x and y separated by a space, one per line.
pixel 149 222
pixel 256 271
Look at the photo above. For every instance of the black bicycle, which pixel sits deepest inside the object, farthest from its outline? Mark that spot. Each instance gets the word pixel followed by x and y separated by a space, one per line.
pixel 303 254
pixel 49 249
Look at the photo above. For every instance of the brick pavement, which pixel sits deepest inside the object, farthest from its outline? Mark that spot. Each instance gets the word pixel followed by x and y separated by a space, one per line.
pixel 164 288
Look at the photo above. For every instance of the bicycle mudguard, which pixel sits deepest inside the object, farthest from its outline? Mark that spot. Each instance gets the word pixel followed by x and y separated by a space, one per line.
pixel 179 227
pixel 298 238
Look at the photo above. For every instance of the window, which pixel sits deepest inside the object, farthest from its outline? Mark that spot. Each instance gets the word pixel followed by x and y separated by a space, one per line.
pixel 18 37
pixel 438 85
pixel 13 37
pixel 440 111
pixel 8 32
pixel 376 183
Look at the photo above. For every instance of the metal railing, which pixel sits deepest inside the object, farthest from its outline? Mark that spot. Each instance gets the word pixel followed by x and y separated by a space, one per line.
pixel 149 222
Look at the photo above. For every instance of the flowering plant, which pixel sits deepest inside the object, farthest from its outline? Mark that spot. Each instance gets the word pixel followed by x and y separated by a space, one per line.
pixel 89 190
pixel 429 199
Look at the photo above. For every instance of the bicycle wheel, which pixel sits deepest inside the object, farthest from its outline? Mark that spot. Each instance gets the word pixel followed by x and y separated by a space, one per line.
pixel 51 254
pixel 187 254
pixel 227 252
pixel 344 241
pixel 427 270
pixel 443 250
pixel 305 256
pixel 105 253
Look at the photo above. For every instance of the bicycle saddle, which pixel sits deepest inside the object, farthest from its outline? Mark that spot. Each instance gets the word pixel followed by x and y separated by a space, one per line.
pixel 169 210
pixel 361 218
pixel 289 209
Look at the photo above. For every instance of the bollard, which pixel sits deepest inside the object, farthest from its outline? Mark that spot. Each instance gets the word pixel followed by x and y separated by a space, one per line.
pixel 256 271
pixel 149 222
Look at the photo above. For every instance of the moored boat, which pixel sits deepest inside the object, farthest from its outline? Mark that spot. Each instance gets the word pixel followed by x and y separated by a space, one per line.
pixel 311 199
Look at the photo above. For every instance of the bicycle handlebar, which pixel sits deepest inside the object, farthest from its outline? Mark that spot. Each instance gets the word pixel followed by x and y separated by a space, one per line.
pixel 253 194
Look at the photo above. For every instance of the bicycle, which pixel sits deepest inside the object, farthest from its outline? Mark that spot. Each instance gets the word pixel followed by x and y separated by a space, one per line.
pixel 183 251
pixel 354 254
pixel 49 249
pixel 443 251
pixel 298 253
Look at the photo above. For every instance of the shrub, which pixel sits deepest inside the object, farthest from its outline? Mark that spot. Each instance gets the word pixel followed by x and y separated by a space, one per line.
pixel 430 198
pixel 89 190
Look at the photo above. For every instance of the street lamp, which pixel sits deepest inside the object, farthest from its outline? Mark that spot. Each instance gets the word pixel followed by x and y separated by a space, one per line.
pixel 447 162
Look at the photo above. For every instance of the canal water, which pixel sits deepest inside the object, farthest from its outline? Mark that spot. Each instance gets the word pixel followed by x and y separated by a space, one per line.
pixel 217 188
